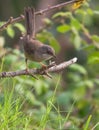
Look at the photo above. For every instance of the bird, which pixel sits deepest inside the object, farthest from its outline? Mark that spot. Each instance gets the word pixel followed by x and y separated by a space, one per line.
pixel 34 50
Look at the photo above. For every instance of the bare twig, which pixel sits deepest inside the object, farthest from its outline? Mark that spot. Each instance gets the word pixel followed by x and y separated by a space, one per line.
pixel 50 68
pixel 21 17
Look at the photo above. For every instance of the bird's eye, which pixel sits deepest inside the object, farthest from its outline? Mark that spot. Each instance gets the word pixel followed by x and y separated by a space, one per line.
pixel 50 52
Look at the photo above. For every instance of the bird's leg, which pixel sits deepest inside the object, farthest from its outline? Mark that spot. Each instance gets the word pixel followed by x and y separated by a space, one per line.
pixel 26 64
pixel 43 68
pixel 47 74
pixel 27 71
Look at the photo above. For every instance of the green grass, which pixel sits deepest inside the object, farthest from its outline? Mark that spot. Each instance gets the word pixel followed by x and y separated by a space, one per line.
pixel 13 117
pixel 50 105
pixel 87 122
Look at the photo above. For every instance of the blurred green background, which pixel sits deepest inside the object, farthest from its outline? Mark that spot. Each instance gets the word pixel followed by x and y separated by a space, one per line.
pixel 70 100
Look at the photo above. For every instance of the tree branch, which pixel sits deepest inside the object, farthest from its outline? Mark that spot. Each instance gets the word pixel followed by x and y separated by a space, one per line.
pixel 12 20
pixel 33 72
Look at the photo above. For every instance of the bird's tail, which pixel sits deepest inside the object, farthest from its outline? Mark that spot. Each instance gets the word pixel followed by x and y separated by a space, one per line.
pixel 30 21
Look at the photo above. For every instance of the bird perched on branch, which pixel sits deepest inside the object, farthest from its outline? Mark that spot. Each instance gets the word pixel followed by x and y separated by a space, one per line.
pixel 34 49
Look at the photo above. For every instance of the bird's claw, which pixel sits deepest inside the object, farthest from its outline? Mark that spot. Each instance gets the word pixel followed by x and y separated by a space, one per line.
pixel 27 71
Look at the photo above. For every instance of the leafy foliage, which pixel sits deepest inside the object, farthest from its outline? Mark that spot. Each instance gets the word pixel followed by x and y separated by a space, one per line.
pixel 69 100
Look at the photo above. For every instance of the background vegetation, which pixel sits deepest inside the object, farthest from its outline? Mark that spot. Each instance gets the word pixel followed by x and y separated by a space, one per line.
pixel 71 99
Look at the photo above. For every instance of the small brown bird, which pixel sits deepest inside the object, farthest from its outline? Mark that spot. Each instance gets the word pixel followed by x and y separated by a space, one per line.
pixel 34 50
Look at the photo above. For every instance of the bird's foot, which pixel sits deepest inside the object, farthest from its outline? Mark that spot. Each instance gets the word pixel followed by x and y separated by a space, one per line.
pixel 45 67
pixel 48 75
pixel 27 71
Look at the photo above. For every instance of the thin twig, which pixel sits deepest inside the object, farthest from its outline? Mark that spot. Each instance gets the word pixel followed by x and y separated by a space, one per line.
pixel 53 69
pixel 12 20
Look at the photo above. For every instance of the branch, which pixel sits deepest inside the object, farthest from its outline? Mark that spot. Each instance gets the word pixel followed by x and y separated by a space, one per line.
pixel 34 72
pixel 12 20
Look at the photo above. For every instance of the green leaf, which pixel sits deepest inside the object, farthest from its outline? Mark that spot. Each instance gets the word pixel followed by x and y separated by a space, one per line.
pixel 80 12
pixel 90 11
pixel 93 58
pixel 62 96
pixel 96 81
pixel 54 43
pixel 20 27
pixel 95 54
pixel 77 41
pixel 79 68
pixel 96 12
pixel 75 23
pixel 47 37
pixel 63 28
pixel 95 38
pixel 61 14
pixel 2 41
pixel 1 23
pixel 47 21
pixel 89 83
pixel 89 47
pixel 10 31
pixel 79 91
pixel 31 98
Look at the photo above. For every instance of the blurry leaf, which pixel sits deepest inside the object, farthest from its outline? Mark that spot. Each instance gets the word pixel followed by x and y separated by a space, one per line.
pixel 95 54
pixel 29 95
pixel 87 20
pixel 77 41
pixel 96 12
pixel 75 23
pixel 41 37
pixel 80 13
pixel 19 89
pixel 54 43
pixel 17 52
pixel 47 21
pixel 10 59
pixel 20 27
pixel 1 23
pixel 79 92
pixel 93 58
pixel 78 68
pixel 10 31
pixel 47 37
pixel 2 41
pixel 74 77
pixel 63 28
pixel 83 106
pixel 85 83
pixel 89 83
pixel 96 94
pixel 96 81
pixel 96 38
pixel 90 11
pixel 89 47
pixel 62 14
pixel 41 87
pixel 64 98
pixel 76 38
